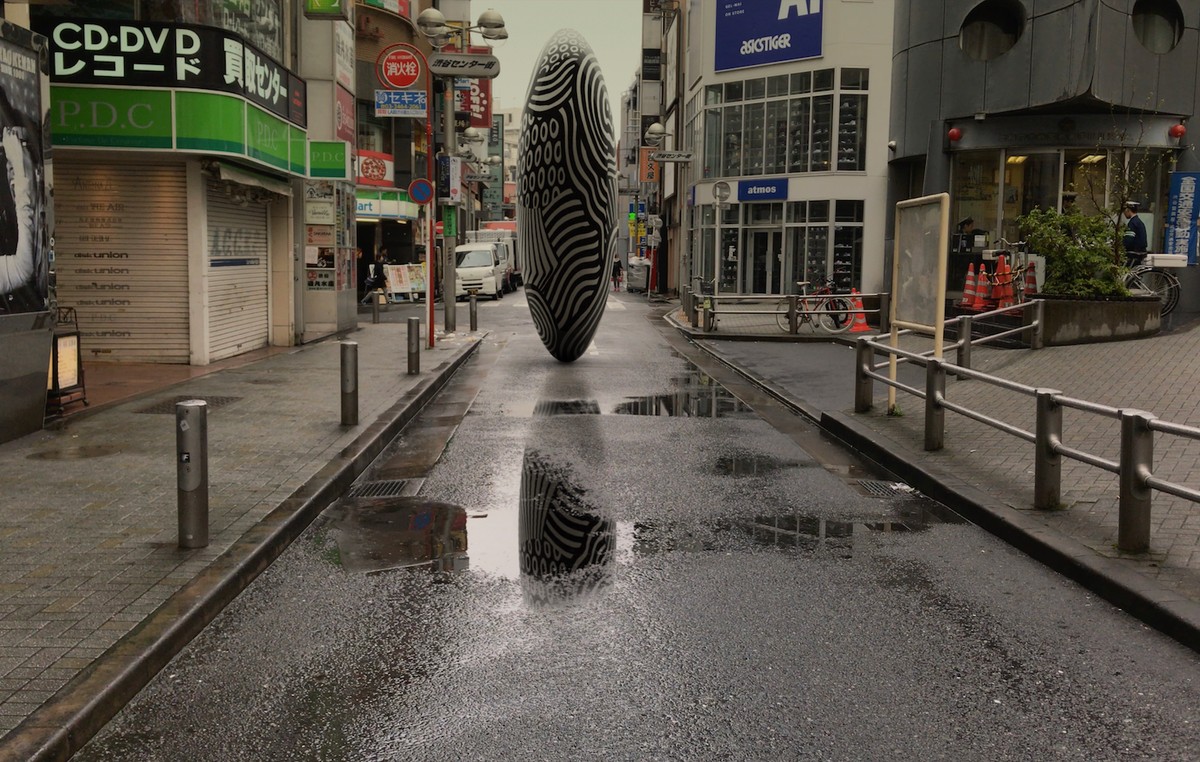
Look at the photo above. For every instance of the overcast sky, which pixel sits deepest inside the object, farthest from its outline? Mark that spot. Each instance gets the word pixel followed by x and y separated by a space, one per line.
pixel 612 27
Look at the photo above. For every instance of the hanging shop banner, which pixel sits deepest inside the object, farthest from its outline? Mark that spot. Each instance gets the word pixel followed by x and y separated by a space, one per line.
pixel 326 10
pixel 647 167
pixel 24 252
pixel 1183 215
pixel 376 168
pixel 476 103
pixel 763 32
pixel 149 54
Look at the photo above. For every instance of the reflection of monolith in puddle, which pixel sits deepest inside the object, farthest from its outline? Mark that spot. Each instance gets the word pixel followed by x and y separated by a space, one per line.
pixel 566 548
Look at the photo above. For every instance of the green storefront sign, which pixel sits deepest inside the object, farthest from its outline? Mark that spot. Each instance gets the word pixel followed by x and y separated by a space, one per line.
pixel 328 158
pixel 210 122
pixel 89 116
pixel 267 138
pixel 325 9
pixel 449 221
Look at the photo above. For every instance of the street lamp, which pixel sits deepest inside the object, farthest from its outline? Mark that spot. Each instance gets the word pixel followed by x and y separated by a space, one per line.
pixel 432 24
pixel 656 134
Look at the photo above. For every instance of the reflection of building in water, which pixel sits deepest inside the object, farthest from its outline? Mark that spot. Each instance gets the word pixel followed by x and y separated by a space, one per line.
pixel 377 534
pixel 565 547
pixel 696 396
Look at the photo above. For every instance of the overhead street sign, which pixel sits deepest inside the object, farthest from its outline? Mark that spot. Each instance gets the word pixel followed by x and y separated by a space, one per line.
pixel 682 156
pixel 479 177
pixel 475 65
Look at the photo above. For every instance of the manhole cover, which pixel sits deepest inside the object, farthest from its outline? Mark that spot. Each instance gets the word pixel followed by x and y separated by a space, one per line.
pixel 266 381
pixel 76 453
pixel 168 405
pixel 877 488
pixel 390 488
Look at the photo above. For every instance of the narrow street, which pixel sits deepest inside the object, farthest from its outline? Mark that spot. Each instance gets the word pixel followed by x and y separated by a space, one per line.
pixel 638 557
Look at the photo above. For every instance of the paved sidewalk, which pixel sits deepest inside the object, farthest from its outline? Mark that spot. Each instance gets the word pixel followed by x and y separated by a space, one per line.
pixel 988 475
pixel 95 595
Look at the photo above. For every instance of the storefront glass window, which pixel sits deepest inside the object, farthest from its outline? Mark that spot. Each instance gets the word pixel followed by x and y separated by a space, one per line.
pixel 732 155
pixel 712 142
pixel 798 137
pixel 1085 175
pixel 822 80
pixel 753 133
pixel 776 128
pixel 975 183
pixel 822 133
pixel 756 89
pixel 712 95
pixel 777 86
pixel 852 133
pixel 733 92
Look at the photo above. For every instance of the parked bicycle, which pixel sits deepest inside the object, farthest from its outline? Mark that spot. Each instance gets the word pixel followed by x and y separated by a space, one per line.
pixel 1162 283
pixel 820 308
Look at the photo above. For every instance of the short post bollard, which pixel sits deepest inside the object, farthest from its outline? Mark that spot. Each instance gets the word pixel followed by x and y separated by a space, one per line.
pixel 793 314
pixel 349 383
pixel 474 312
pixel 965 327
pixel 1137 463
pixel 374 309
pixel 864 360
pixel 935 414
pixel 414 344
pixel 1047 460
pixel 191 469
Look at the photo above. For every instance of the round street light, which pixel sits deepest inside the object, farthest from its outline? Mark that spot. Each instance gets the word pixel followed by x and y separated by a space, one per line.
pixel 432 23
pixel 656 134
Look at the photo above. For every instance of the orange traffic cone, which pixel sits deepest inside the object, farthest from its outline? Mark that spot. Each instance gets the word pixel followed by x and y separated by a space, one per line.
pixel 968 296
pixel 1030 280
pixel 982 290
pixel 860 320
pixel 1003 283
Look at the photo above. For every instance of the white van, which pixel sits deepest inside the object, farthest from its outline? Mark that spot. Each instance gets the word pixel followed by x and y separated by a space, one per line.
pixel 479 269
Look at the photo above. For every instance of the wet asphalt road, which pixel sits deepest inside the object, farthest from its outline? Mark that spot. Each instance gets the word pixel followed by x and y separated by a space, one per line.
pixel 620 559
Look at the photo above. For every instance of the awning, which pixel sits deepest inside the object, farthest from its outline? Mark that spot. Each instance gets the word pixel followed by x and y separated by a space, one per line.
pixel 244 176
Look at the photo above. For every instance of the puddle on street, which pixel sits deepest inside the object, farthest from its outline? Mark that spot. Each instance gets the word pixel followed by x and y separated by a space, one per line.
pixel 375 534
pixel 693 395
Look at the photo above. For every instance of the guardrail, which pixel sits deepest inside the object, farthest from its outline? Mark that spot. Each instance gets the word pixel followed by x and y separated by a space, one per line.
pixel 704 310
pixel 1134 467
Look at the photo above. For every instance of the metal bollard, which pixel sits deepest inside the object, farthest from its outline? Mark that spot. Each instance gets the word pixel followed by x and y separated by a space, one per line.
pixel 349 383
pixel 374 309
pixel 191 470
pixel 1137 462
pixel 864 358
pixel 935 414
pixel 1047 461
pixel 474 312
pixel 1038 339
pixel 414 345
pixel 966 326
pixel 793 314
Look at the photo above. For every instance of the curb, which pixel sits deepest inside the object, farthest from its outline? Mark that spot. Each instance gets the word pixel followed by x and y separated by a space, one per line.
pixel 1172 614
pixel 69 719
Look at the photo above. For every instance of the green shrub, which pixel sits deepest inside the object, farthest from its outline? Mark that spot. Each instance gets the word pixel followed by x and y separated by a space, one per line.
pixel 1083 254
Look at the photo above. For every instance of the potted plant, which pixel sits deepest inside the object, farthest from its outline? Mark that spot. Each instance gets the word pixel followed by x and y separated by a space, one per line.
pixel 1085 295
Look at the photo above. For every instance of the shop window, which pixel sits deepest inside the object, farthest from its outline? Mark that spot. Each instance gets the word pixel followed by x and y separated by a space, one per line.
pixel 712 142
pixel 733 92
pixel 802 83
pixel 731 163
pixel 798 134
pixel 822 80
pixel 1158 24
pixel 822 133
pixel 818 211
pixel 974 185
pixel 847 245
pixel 753 132
pixel 712 95
pixel 852 133
pixel 756 89
pixel 991 29
pixel 775 149
pixel 797 211
pixel 777 85
pixel 854 79
pixel 848 211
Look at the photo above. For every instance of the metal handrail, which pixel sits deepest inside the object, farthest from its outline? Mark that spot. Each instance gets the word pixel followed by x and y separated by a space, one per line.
pixel 1134 467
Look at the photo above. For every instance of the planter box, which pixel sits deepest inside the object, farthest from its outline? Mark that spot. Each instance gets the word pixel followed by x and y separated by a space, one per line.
pixel 1072 320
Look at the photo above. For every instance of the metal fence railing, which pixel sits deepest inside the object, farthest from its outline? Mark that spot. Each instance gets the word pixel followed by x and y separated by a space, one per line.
pixel 1134 466
pixel 773 313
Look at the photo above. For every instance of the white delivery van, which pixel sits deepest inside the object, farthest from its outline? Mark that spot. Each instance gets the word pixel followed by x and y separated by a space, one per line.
pixel 508 237
pixel 478 269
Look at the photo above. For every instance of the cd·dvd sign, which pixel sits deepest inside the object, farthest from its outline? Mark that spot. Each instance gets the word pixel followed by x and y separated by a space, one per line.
pixel 399 67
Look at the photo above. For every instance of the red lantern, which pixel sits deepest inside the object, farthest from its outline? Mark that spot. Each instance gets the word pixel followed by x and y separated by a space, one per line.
pixel 1177 131
pixel 954 134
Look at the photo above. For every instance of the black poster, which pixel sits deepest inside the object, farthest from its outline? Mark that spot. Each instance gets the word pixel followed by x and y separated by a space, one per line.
pixel 149 54
pixel 24 254
pixel 651 64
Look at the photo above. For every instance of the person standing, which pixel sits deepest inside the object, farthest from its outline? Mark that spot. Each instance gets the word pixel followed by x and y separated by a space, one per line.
pixel 1135 241
pixel 617 270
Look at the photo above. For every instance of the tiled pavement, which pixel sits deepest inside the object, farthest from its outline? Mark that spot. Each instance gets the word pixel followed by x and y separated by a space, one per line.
pixel 91 578
pixel 996 469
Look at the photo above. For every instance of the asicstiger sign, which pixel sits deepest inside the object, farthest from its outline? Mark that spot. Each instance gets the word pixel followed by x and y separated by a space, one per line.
pixel 760 32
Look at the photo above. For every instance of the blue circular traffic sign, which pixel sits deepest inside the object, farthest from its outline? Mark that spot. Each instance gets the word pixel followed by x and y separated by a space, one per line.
pixel 420 191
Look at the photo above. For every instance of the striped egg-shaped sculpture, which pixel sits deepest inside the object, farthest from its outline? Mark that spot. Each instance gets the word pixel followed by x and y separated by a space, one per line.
pixel 567 195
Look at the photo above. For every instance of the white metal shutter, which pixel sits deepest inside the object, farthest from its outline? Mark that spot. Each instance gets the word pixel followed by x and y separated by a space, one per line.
pixel 121 257
pixel 237 273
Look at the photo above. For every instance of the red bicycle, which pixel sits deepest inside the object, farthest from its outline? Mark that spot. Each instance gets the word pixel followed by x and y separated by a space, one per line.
pixel 820 308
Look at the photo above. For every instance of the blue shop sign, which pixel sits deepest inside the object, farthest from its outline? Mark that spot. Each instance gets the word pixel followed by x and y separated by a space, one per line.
pixel 1183 215
pixel 760 32
pixel 763 190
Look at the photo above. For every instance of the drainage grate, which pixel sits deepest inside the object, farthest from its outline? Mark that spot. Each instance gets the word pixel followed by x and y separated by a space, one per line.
pixel 876 488
pixel 391 488
pixel 168 405
pixel 566 407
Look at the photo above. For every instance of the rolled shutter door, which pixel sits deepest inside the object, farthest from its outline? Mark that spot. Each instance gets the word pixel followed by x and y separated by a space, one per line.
pixel 237 274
